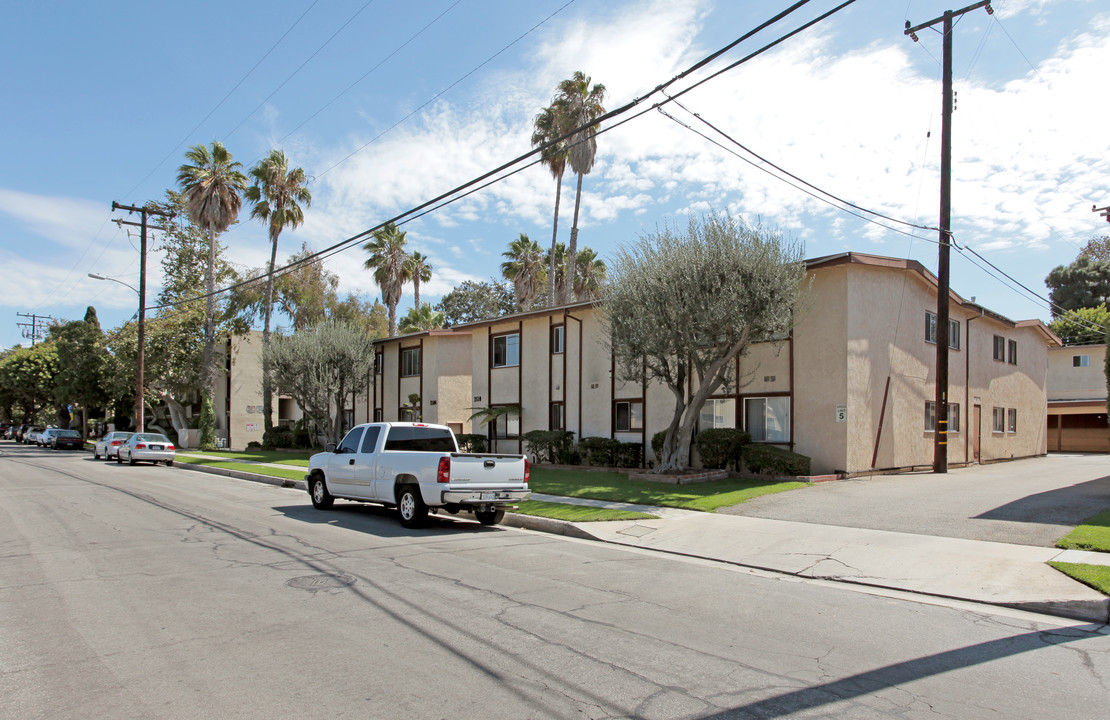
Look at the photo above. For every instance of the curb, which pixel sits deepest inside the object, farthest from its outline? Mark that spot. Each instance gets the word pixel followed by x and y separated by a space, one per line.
pixel 242 475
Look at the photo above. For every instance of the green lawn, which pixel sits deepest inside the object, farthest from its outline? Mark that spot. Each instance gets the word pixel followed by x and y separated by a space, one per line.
pixel 1097 576
pixel 1093 534
pixel 616 486
pixel 299 459
pixel 576 513
pixel 217 461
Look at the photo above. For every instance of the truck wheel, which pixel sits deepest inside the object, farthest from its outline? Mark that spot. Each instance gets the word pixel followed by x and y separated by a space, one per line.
pixel 318 489
pixel 411 507
pixel 490 517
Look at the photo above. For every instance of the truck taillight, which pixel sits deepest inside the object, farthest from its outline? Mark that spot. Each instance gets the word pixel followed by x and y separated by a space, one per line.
pixel 527 470
pixel 443 475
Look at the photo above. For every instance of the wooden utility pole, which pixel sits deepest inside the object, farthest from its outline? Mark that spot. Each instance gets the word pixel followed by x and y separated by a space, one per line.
pixel 940 437
pixel 144 212
pixel 34 329
pixel 1104 211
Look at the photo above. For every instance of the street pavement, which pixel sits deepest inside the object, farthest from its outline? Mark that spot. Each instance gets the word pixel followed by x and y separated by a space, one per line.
pixel 1009 574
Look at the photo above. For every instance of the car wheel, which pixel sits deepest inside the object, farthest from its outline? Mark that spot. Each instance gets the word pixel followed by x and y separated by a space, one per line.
pixel 169 463
pixel 490 517
pixel 96 454
pixel 318 489
pixel 130 459
pixel 119 458
pixel 411 507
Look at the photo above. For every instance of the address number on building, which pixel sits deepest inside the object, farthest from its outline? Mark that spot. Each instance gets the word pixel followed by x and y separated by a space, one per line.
pixel 842 412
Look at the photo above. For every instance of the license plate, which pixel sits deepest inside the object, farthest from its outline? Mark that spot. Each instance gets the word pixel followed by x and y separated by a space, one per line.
pixel 489 496
pixel 155 447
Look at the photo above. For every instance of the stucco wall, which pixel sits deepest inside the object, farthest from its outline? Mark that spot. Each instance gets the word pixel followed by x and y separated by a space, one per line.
pixel 245 420
pixel 1067 382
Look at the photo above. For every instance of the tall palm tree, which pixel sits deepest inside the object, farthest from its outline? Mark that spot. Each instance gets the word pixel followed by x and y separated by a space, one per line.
pixel 557 262
pixel 212 183
pixel 419 270
pixel 421 318
pixel 545 129
pixel 525 268
pixel 387 261
pixel 577 105
pixel 590 280
pixel 278 193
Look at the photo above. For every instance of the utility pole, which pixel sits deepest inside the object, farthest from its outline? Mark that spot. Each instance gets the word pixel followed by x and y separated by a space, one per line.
pixel 33 330
pixel 144 212
pixel 940 437
pixel 1105 211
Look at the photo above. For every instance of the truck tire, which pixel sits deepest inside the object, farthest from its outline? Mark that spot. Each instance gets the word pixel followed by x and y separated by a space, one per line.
pixel 410 506
pixel 318 490
pixel 490 517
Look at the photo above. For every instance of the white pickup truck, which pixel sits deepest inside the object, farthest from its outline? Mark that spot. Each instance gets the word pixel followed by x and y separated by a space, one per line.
pixel 416 467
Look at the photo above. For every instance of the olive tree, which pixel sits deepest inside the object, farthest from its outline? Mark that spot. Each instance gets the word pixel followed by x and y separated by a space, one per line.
pixel 682 305
pixel 320 367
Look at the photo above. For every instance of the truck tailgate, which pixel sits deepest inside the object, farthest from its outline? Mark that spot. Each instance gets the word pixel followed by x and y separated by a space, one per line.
pixel 482 471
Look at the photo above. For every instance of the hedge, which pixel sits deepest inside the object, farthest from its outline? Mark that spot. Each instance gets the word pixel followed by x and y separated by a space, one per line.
pixel 551 446
pixel 771 460
pixel 721 448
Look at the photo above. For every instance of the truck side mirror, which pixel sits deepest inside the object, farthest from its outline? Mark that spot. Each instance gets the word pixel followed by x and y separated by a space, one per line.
pixel 330 447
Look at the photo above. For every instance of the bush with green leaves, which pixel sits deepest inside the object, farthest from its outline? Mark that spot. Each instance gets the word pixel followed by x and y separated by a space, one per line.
pixel 771 460
pixel 549 445
pixel 471 442
pixel 207 425
pixel 721 448
pixel 599 451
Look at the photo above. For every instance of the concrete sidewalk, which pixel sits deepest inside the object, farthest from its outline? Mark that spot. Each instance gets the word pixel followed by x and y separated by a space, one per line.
pixel 994 573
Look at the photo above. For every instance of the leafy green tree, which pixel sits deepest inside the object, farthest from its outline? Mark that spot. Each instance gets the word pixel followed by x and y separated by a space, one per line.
pixel 472 301
pixel 29 378
pixel 1083 284
pixel 525 269
pixel 277 194
pixel 388 262
pixel 1081 327
pixel 212 185
pixel 419 270
pixel 578 105
pixel 82 360
pixel 681 306
pixel 367 315
pixel 419 320
pixel 320 368
pixel 546 129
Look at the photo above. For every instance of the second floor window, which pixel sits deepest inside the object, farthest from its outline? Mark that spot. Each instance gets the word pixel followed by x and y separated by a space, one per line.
pixel 1081 361
pixel 999 348
pixel 1012 358
pixel 378 362
pixel 410 362
pixel 931 331
pixel 506 350
pixel 557 338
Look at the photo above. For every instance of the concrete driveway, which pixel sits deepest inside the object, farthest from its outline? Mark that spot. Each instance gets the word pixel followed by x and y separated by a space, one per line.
pixel 1026 502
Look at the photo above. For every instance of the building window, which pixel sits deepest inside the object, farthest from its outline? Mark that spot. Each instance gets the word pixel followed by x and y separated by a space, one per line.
pixel 999 348
pixel 998 420
pixel 767 419
pixel 931 331
pixel 953 417
pixel 628 416
pixel 410 362
pixel 1011 420
pixel 379 361
pixel 1012 358
pixel 506 426
pixel 506 350
pixel 558 335
pixel 1081 361
pixel 557 419
pixel 719 413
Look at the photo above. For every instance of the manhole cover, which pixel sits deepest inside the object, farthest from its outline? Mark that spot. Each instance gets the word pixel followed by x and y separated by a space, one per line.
pixel 321 582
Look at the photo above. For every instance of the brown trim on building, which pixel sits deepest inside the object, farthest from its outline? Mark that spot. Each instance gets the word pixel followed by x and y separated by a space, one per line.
pixel 790 393
pixel 578 428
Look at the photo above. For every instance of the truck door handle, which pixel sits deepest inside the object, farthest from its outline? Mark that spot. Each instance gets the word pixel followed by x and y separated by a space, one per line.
pixel 489 463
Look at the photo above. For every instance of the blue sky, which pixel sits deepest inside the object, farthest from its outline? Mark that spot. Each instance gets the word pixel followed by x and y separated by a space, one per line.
pixel 101 100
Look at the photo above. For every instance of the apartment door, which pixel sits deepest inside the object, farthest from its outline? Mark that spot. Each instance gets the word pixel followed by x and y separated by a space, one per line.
pixel 976 431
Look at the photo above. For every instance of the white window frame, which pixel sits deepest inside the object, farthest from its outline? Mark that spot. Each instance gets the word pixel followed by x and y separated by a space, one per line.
pixel 999 348
pixel 998 420
pixel 558 339
pixel 785 424
pixel 1081 361
pixel 1011 352
pixel 931 330
pixel 504 341
pixel 931 415
pixel 727 418
pixel 1011 420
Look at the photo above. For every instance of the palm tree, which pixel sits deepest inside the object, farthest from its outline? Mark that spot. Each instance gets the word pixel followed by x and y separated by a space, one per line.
pixel 387 260
pixel 545 129
pixel 578 105
pixel 212 184
pixel 277 193
pixel 557 263
pixel 592 273
pixel 419 270
pixel 525 268
pixel 421 319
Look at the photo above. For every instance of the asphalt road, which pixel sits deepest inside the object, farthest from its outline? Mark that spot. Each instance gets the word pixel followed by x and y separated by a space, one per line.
pixel 1026 502
pixel 151 592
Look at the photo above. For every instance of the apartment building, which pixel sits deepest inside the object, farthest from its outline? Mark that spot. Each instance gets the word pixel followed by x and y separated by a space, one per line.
pixel 1077 399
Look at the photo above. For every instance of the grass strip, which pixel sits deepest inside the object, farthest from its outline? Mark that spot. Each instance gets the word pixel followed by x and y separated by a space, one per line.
pixel 1096 576
pixel 616 487
pixel 290 474
pixel 577 513
pixel 269 456
pixel 1093 534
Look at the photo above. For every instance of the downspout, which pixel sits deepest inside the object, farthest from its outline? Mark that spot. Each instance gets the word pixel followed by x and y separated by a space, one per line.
pixel 967 395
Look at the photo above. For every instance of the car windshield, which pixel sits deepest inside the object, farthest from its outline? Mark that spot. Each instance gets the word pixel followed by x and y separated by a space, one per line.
pixel 67 433
pixel 150 437
pixel 119 436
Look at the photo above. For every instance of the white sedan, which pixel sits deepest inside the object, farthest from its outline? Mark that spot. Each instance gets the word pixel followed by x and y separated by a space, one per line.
pixel 147 447
pixel 108 446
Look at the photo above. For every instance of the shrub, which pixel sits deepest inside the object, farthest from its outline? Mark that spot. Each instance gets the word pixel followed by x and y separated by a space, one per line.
pixel 278 437
pixel 254 445
pixel 657 442
pixel 629 455
pixel 721 447
pixel 207 425
pixel 771 460
pixel 471 442
pixel 548 445
pixel 599 451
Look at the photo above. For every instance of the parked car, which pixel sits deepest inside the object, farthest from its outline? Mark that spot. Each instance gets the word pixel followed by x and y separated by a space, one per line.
pixel 21 432
pixel 34 435
pixel 147 447
pixel 108 446
pixel 58 439
pixel 416 467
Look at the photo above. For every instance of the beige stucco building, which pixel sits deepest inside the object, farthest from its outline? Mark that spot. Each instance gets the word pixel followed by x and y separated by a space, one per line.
pixel 1077 399
pixel 424 377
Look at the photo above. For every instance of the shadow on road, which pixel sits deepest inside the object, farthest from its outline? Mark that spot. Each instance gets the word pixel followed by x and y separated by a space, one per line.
pixel 1063 506
pixel 381 521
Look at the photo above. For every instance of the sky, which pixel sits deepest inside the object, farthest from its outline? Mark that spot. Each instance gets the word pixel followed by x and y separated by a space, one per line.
pixel 387 105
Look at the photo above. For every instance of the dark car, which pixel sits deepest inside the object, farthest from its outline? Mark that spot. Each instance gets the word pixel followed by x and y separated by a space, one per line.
pixel 58 439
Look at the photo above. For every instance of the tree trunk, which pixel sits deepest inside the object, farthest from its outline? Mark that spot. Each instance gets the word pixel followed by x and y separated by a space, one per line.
pixel 392 307
pixel 572 249
pixel 177 416
pixel 416 291
pixel 207 370
pixel 554 239
pixel 267 384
